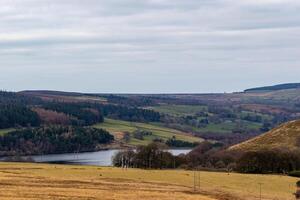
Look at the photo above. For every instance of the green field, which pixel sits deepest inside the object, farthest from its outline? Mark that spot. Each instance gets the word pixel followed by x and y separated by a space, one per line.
pixel 179 110
pixel 4 131
pixel 118 127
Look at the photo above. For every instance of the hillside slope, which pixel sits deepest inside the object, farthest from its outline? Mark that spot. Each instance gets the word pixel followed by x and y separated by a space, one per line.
pixel 285 136
pixel 275 87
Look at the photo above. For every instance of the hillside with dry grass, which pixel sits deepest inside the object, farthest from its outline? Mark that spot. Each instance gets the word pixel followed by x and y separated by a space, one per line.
pixel 286 136
pixel 43 181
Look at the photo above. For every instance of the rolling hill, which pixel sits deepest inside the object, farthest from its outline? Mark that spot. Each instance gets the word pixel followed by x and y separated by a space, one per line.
pixel 275 87
pixel 119 128
pixel 285 136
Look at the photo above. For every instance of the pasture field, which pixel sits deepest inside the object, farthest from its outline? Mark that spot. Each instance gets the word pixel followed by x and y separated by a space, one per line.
pixel 43 181
pixel 119 127
pixel 4 131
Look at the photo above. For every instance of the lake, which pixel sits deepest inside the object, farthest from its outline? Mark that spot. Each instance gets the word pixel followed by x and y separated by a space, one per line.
pixel 100 158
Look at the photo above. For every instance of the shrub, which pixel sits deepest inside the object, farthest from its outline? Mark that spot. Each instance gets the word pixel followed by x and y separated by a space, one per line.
pixel 179 143
pixel 295 174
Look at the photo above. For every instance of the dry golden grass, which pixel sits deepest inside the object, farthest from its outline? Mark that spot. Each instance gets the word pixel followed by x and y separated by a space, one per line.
pixel 284 136
pixel 42 181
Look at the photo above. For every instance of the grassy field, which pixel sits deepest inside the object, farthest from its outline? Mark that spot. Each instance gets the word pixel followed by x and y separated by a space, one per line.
pixel 118 127
pixel 4 131
pixel 42 181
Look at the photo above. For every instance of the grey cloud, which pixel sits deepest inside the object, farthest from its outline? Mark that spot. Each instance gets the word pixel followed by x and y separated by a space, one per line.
pixel 132 45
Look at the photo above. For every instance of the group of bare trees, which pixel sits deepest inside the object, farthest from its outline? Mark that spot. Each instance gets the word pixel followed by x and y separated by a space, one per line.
pixel 152 156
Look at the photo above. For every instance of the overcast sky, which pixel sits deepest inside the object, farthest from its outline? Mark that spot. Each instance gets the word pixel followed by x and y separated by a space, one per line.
pixel 148 46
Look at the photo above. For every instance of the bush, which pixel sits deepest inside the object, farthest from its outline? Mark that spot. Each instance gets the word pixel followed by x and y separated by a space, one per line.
pixel 179 143
pixel 298 183
pixel 139 134
pixel 294 174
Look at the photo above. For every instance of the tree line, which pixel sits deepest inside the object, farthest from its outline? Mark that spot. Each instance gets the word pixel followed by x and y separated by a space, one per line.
pixel 269 161
pixel 91 111
pixel 218 157
pixel 24 110
pixel 82 114
pixel 211 156
pixel 173 142
pixel 17 98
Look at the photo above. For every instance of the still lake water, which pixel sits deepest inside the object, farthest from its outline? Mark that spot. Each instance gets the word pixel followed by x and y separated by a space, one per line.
pixel 100 158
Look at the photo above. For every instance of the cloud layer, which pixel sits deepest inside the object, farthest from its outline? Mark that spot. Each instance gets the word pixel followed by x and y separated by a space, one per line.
pixel 148 45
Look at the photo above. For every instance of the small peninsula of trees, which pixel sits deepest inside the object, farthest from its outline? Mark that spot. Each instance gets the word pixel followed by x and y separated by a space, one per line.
pixel 54 139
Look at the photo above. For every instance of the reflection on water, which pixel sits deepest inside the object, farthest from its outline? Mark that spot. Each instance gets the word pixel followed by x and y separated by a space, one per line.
pixel 101 158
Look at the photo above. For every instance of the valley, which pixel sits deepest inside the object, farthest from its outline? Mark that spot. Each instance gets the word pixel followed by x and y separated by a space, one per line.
pixel 149 100
pixel 177 120
pixel 231 136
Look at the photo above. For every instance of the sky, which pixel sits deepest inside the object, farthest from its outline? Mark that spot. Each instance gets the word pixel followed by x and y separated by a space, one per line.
pixel 148 46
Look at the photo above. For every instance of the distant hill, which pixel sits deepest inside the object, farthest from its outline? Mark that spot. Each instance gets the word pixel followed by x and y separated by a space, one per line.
pixel 274 87
pixel 284 136
pixel 50 92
